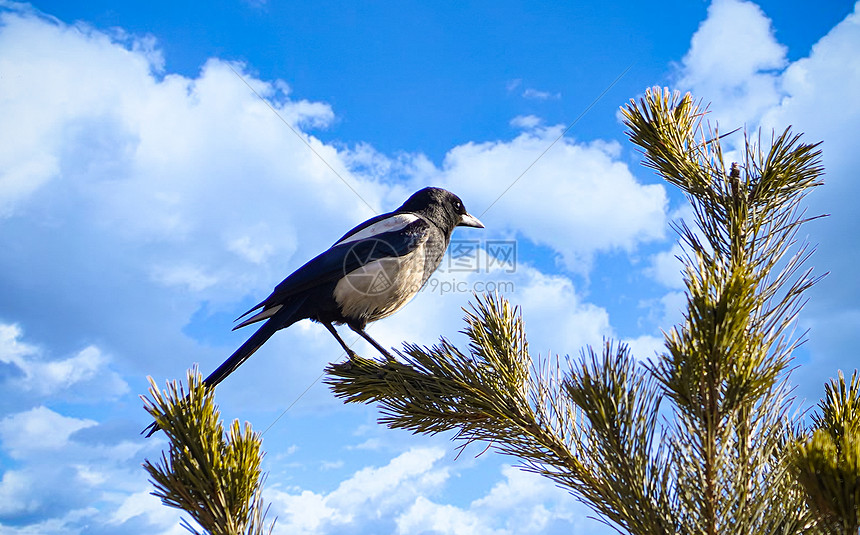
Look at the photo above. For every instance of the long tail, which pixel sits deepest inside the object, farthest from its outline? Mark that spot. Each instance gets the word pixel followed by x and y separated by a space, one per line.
pixel 284 318
pixel 245 350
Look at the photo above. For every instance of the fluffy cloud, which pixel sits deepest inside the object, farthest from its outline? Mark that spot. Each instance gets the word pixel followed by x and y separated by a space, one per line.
pixel 62 470
pixel 60 464
pixel 526 122
pixel 557 317
pixel 143 505
pixel 521 502
pixel 577 198
pixel 537 94
pixel 368 496
pixel 152 193
pixel 567 196
pixel 733 62
pixel 819 99
pixel 37 377
pixel 394 498
pixel 530 92
pixel 38 431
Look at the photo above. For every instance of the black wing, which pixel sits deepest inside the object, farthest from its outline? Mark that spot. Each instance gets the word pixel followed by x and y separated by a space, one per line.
pixel 340 259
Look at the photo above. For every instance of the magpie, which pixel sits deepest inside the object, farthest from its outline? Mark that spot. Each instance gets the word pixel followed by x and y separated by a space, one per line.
pixel 371 272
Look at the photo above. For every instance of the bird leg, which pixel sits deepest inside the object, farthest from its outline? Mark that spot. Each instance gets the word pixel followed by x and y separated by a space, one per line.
pixel 349 352
pixel 361 332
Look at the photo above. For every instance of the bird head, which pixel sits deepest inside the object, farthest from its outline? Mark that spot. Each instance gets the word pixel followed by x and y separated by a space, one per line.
pixel 442 208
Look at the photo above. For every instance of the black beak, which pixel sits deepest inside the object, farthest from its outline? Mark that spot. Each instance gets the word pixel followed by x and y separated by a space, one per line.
pixel 467 220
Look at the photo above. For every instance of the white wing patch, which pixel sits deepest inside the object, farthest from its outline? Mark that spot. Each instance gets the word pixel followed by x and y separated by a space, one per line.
pixel 389 224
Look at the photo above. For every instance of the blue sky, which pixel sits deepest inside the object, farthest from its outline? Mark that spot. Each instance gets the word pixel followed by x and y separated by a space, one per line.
pixel 148 197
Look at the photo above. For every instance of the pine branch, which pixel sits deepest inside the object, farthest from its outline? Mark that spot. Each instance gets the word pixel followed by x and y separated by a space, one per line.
pixel 828 462
pixel 589 428
pixel 726 365
pixel 215 478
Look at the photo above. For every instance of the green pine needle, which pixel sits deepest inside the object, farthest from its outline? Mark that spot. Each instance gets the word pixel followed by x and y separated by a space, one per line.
pixel 828 462
pixel 215 477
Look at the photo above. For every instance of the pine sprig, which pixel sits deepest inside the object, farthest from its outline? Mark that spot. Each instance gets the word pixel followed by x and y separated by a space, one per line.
pixel 440 388
pixel 725 366
pixel 558 426
pixel 215 477
pixel 828 462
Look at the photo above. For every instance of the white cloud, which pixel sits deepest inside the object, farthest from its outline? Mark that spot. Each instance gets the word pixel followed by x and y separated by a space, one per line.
pixel 38 431
pixel 250 248
pixel 667 269
pixel 570 199
pixel 12 349
pixel 75 369
pixel 557 316
pixel 820 100
pixel 61 475
pixel 424 516
pixel 646 347
pixel 413 468
pixel 577 198
pixel 673 306
pixel 735 40
pixel 820 89
pixel 15 493
pixel 331 465
pixel 73 375
pixel 530 92
pixel 184 276
pixel 64 464
pixel 536 500
pixel 733 63
pixel 536 94
pixel 71 475
pixel 394 498
pixel 306 512
pixel 370 494
pixel 73 522
pixel 144 504
pixel 526 122
pixel 521 502
pixel 665 266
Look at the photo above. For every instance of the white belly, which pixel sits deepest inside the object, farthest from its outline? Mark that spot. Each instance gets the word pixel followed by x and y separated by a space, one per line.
pixel 380 288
